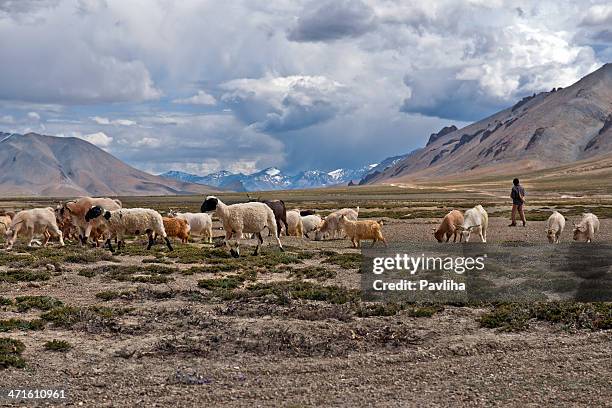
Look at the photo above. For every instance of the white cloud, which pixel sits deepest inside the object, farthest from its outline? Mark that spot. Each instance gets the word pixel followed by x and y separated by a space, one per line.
pixel 7 120
pixel 106 121
pixel 201 98
pixel 100 139
pixel 148 142
pixel 33 116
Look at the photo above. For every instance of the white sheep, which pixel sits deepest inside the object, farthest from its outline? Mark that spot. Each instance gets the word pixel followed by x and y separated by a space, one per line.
pixel 242 218
pixel 34 221
pixel 475 220
pixel 331 223
pixel 132 221
pixel 295 226
pixel 310 223
pixel 586 229
pixel 200 223
pixel 554 227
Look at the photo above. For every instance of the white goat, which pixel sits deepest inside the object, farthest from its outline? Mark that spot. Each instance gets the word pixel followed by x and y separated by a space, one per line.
pixel 331 223
pixel 475 219
pixel 554 227
pixel 586 229
pixel 200 223
pixel 310 223
pixel 34 221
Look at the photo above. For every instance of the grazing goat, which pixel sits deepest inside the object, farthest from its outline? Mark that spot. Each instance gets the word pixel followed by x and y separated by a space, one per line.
pixel 475 219
pixel 30 222
pixel 554 227
pixel 360 230
pixel 294 221
pixel 241 218
pixel 449 226
pixel 176 228
pixel 330 224
pixel 310 223
pixel 586 229
pixel 200 223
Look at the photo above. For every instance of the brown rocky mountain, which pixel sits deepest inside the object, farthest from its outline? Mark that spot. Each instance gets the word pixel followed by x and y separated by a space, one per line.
pixel 37 165
pixel 542 131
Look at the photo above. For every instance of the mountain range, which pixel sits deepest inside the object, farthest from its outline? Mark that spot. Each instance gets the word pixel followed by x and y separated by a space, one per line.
pixel 548 130
pixel 273 178
pixel 541 131
pixel 37 165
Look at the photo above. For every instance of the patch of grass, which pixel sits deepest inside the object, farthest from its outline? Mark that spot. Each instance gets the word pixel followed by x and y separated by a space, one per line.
pixel 282 292
pixel 23 275
pixel 5 301
pixel 424 311
pixel 514 316
pixel 218 268
pixel 69 316
pixel 316 272
pixel 228 282
pixel 58 345
pixel 152 279
pixel 88 273
pixel 132 273
pixel 64 316
pixel 41 256
pixel 19 324
pixel 346 261
pixel 25 303
pixel 378 309
pixel 10 353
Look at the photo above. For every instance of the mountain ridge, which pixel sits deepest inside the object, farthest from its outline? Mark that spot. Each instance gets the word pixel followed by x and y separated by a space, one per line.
pixel 272 178
pixel 41 165
pixel 540 131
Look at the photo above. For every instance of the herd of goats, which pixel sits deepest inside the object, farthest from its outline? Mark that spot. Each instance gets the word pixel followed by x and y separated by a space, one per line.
pixel 91 219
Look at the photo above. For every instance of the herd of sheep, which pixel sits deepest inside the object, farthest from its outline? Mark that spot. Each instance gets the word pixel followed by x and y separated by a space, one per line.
pixel 93 219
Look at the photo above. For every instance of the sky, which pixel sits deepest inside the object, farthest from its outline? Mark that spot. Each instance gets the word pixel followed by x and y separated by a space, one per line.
pixel 203 86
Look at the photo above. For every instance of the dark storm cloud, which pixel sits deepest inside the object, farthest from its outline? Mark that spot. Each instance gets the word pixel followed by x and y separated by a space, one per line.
pixel 332 20
pixel 452 99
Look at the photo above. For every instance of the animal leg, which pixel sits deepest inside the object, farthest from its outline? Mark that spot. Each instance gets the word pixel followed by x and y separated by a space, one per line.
pixel 168 244
pixel 151 240
pixel 259 243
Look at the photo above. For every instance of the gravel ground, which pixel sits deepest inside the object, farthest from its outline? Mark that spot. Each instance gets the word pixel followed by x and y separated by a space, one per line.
pixel 184 352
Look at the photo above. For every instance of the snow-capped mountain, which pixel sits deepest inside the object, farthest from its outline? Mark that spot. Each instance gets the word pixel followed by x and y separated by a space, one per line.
pixel 274 179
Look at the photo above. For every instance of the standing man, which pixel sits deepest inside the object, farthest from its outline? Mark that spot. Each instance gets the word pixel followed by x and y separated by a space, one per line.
pixel 518 201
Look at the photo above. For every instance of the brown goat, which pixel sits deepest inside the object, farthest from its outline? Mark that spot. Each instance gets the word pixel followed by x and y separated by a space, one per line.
pixel 448 227
pixel 360 230
pixel 177 228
